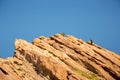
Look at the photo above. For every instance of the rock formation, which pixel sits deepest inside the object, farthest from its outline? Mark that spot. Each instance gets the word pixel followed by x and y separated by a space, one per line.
pixel 60 57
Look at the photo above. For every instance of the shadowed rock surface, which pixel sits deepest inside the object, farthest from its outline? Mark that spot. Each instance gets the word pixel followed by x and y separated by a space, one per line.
pixel 60 57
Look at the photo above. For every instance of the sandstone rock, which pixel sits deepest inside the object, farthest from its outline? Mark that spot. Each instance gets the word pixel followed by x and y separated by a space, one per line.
pixel 60 57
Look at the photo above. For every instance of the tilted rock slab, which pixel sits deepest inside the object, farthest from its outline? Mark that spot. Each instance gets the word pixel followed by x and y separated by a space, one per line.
pixel 60 57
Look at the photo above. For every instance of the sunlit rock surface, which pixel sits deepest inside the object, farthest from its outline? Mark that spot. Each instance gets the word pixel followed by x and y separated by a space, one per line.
pixel 60 57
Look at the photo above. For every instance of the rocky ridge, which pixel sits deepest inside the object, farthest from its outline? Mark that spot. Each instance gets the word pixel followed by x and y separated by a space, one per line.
pixel 60 57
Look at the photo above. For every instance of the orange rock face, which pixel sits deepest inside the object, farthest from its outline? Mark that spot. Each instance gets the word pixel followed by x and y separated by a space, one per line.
pixel 60 57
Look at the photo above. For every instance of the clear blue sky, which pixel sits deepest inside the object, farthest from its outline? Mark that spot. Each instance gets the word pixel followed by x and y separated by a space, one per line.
pixel 84 19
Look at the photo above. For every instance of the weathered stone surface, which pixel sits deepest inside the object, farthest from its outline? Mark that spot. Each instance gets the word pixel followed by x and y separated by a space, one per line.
pixel 60 57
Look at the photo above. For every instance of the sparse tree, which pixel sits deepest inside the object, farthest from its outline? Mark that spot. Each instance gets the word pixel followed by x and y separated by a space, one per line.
pixel 63 34
pixel 91 41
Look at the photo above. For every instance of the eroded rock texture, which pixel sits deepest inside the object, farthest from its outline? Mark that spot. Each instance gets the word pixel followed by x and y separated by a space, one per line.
pixel 60 57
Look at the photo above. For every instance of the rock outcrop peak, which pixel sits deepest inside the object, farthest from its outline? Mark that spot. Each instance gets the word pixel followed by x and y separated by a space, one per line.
pixel 60 57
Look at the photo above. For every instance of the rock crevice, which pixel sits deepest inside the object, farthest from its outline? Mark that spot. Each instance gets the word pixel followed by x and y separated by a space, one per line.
pixel 60 57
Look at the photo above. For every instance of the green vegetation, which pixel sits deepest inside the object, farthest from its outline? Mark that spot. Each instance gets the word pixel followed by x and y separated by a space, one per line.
pixel 91 41
pixel 63 34
pixel 20 69
pixel 90 76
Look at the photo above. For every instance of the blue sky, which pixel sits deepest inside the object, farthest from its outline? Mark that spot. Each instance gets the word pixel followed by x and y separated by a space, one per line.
pixel 84 19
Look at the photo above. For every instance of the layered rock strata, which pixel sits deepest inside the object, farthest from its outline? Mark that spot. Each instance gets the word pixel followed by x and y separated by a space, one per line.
pixel 60 57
